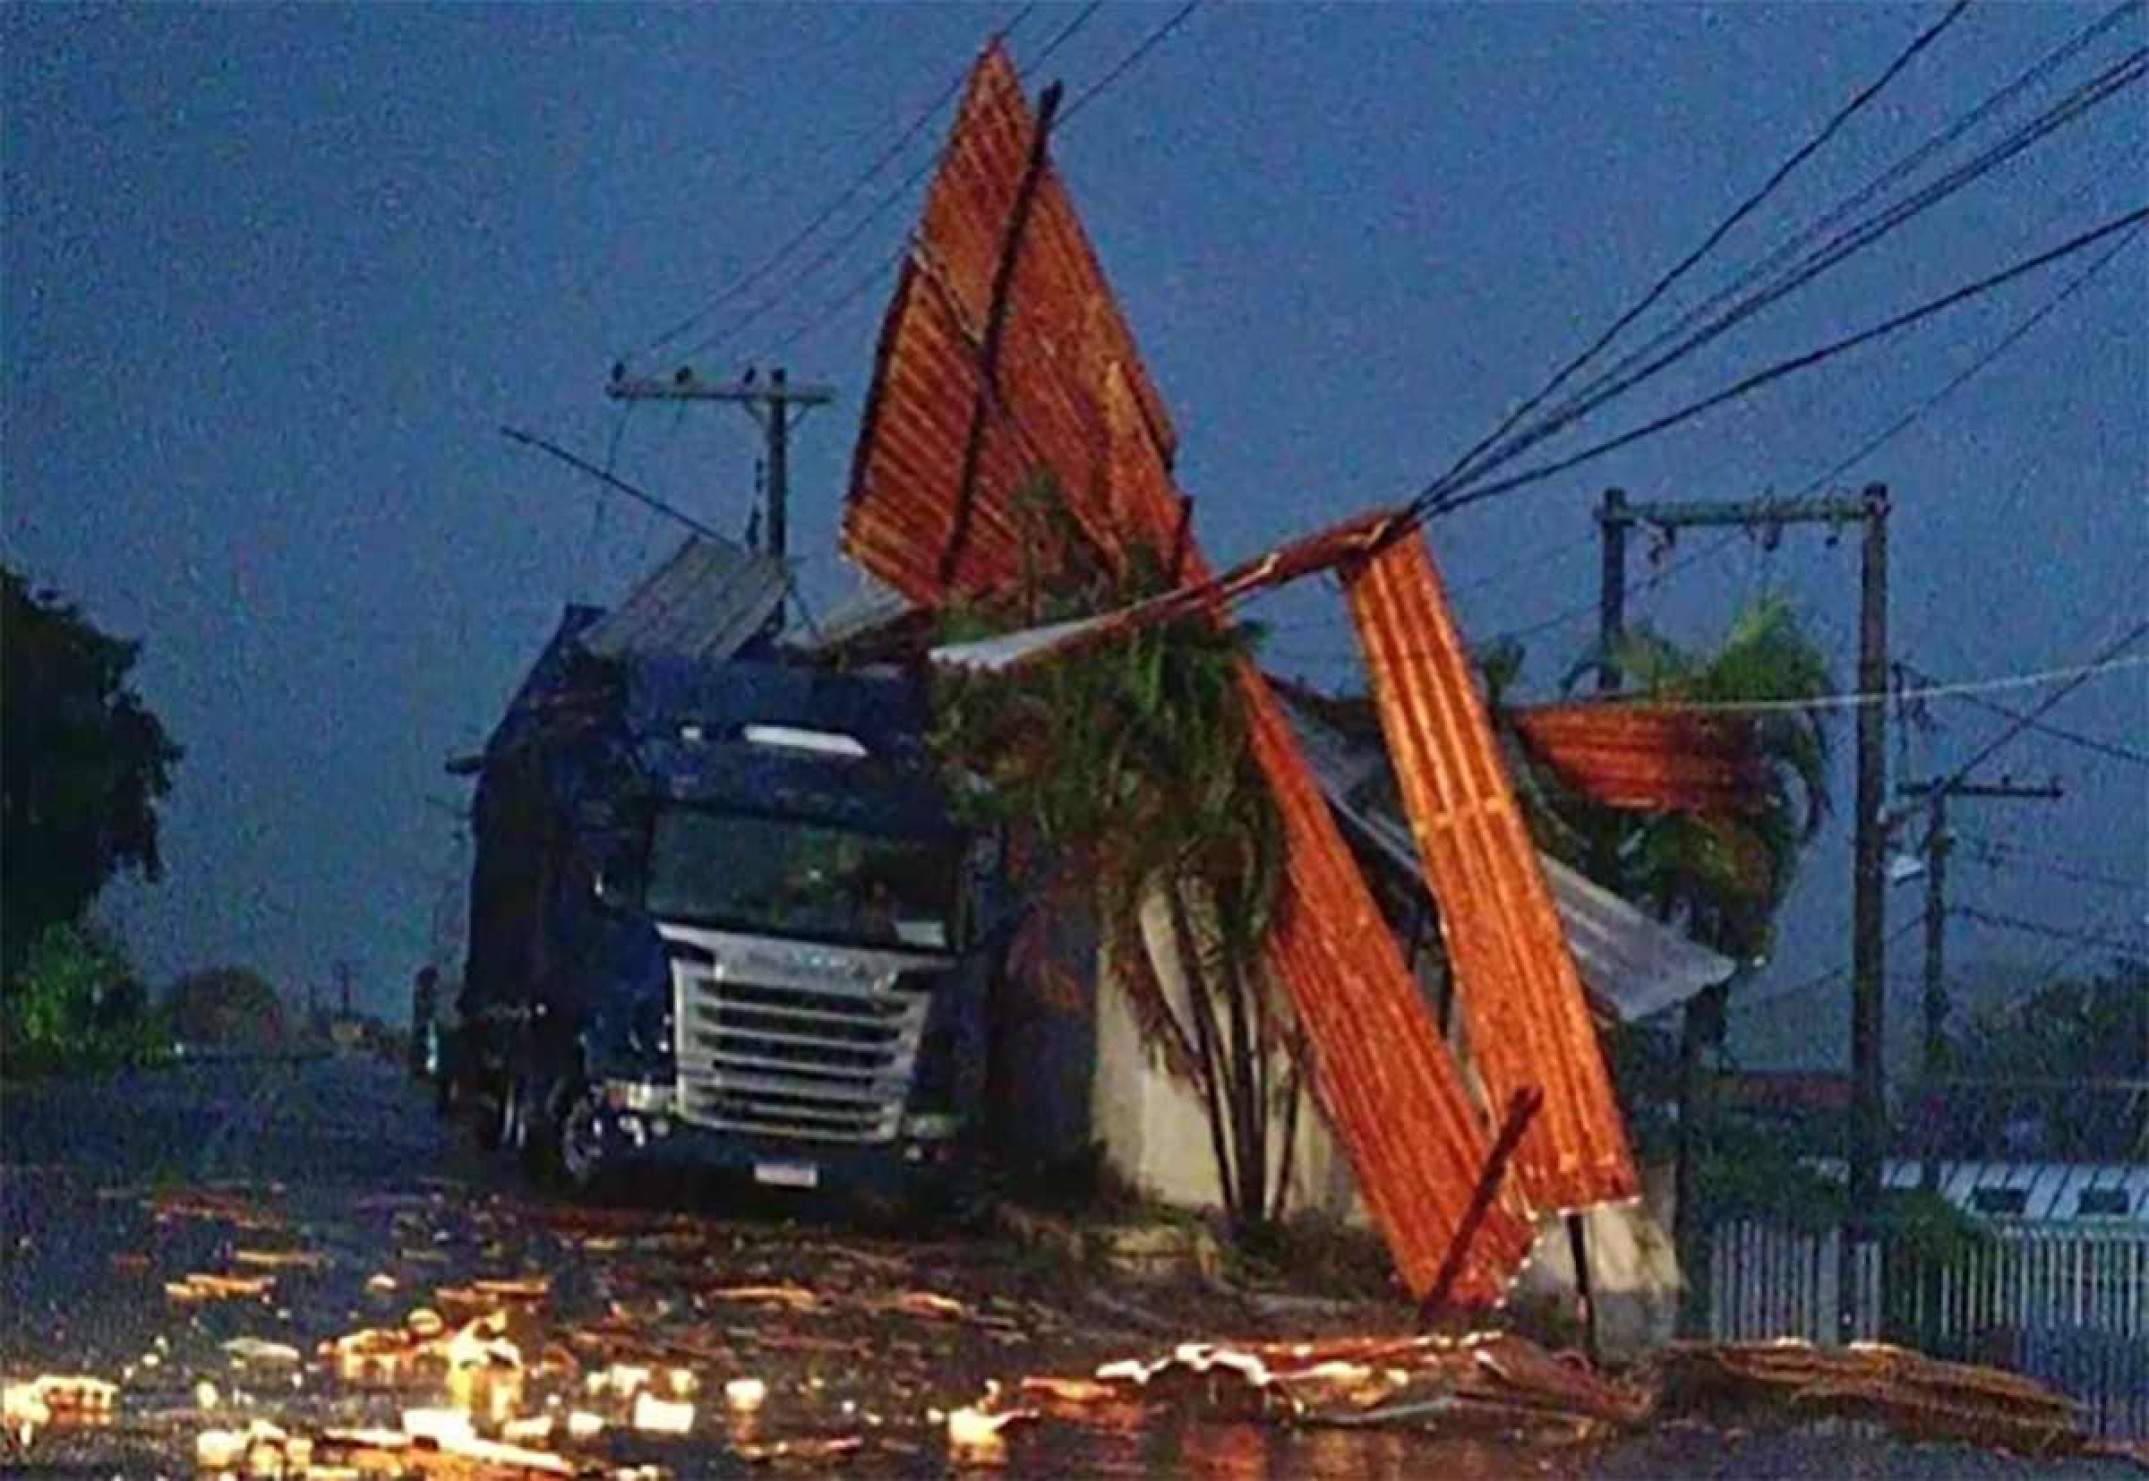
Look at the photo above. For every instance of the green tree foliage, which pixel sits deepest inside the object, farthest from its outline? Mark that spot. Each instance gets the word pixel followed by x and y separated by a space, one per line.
pixel 1126 769
pixel 2054 1064
pixel 83 764
pixel 77 1005
pixel 231 1007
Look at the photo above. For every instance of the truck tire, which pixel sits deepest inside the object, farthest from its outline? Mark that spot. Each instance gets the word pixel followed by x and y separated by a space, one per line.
pixel 573 1161
pixel 502 1119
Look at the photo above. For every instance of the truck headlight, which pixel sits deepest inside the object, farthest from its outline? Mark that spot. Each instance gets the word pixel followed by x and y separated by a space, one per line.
pixel 931 1126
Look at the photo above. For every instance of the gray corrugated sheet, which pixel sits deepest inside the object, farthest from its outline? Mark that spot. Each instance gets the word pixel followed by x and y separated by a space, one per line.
pixel 1632 962
pixel 705 602
pixel 871 607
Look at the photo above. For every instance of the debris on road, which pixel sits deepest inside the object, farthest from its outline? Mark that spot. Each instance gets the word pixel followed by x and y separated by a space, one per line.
pixel 199 1287
pixel 1914 1395
pixel 280 1259
pixel 662 1416
pixel 260 1350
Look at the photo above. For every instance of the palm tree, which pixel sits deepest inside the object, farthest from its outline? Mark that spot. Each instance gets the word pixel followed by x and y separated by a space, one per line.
pixel 1721 879
pixel 1127 766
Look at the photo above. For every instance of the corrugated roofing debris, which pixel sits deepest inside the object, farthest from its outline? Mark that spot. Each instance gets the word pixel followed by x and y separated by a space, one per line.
pixel 1071 396
pixel 705 603
pixel 1635 965
pixel 1522 1000
pixel 935 510
pixel 1649 757
pixel 1384 1074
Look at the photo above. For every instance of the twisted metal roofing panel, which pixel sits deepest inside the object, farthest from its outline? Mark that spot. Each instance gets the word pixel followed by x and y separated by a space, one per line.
pixel 1649 757
pixel 1071 396
pixel 1522 999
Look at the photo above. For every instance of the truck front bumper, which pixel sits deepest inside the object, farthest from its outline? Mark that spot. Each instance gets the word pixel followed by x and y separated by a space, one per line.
pixel 637 1125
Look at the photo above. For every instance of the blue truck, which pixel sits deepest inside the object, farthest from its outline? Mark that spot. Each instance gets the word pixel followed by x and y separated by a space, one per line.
pixel 720 916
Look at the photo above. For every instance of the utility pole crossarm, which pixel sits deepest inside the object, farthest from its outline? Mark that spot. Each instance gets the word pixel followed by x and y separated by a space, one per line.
pixel 1675 513
pixel 2046 790
pixel 768 402
pixel 690 387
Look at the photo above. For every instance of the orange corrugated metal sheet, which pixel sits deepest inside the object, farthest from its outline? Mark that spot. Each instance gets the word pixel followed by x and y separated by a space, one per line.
pixel 1522 999
pixel 1073 398
pixel 1649 758
pixel 1385 1076
pixel 1071 394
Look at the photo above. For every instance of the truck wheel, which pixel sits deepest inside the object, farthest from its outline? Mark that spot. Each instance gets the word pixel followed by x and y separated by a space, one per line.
pixel 576 1160
pixel 503 1121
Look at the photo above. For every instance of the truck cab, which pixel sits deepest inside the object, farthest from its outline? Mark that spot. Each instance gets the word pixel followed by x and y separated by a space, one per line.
pixel 722 918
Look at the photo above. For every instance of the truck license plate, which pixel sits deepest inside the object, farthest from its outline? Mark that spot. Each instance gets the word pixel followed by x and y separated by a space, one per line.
pixel 788 1174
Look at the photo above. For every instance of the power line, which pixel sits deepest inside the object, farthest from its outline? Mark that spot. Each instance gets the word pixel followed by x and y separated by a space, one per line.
pixel 1148 43
pixel 2074 675
pixel 1622 378
pixel 2085 939
pixel 830 311
pixel 1956 383
pixel 1784 251
pixel 1647 583
pixel 2107 658
pixel 2044 727
pixel 835 203
pixel 1844 244
pixel 1999 858
pixel 858 228
pixel 1798 363
pixel 1843 115
pixel 610 480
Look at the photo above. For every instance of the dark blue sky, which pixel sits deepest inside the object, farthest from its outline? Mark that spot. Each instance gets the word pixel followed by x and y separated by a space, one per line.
pixel 274 277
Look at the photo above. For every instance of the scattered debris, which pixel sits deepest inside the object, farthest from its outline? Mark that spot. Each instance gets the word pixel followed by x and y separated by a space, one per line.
pixel 662 1416
pixel 200 1287
pixel 974 1435
pixel 260 1350
pixel 279 1259
pixel 1916 1396
pixel 926 1304
pixel 23 1412
pixel 790 1297
pixel 809 1451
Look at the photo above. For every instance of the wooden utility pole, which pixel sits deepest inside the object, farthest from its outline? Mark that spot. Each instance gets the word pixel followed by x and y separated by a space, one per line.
pixel 1870 509
pixel 1932 1063
pixel 770 405
pixel 1869 905
pixel 1938 844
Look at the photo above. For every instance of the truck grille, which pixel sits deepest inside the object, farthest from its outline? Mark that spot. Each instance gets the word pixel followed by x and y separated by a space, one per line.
pixel 828 1063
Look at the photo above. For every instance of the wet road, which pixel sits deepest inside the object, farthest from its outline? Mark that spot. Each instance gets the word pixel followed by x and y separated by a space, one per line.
pixel 329 1199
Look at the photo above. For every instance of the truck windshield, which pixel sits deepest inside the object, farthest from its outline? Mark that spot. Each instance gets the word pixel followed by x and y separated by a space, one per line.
pixel 795 878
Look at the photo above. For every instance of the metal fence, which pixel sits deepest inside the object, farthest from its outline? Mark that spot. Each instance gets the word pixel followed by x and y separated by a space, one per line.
pixel 2066 1305
pixel 1768 1280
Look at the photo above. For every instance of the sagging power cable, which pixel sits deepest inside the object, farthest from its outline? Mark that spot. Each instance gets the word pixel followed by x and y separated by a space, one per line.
pixel 1465 465
pixel 1628 373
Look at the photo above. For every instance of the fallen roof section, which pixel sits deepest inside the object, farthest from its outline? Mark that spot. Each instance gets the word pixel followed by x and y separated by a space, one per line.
pixel 1635 965
pixel 706 603
pixel 1528 1023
